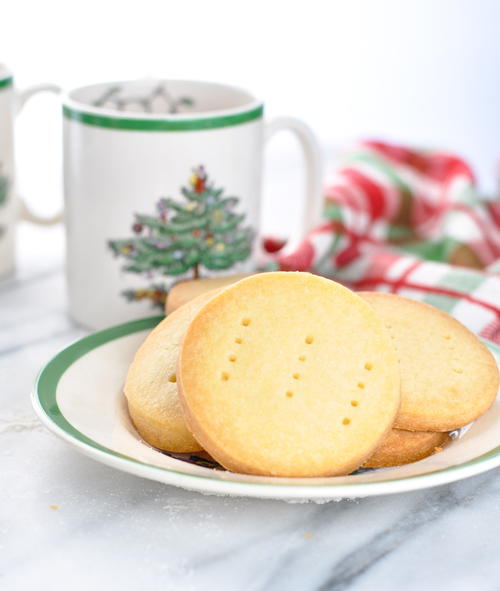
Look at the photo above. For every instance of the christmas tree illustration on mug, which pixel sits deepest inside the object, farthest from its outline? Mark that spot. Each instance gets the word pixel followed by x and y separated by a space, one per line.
pixel 203 232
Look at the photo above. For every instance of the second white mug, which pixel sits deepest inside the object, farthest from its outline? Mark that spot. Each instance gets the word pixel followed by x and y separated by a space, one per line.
pixel 12 208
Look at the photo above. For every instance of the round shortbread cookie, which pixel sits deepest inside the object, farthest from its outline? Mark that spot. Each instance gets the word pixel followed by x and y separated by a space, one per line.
pixel 288 374
pixel 402 447
pixel 448 377
pixel 151 388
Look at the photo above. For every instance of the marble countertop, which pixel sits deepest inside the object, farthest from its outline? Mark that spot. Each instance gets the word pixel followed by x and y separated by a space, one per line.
pixel 67 522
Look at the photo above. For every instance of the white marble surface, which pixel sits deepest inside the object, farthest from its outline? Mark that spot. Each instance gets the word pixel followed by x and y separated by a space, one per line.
pixel 67 522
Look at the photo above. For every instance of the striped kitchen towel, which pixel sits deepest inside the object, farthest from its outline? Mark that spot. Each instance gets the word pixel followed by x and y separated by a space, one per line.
pixel 409 222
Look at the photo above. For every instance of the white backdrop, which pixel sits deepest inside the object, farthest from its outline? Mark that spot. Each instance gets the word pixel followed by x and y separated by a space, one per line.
pixel 421 71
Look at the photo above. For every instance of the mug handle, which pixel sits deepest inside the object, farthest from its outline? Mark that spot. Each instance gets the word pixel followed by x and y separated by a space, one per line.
pixel 24 211
pixel 312 207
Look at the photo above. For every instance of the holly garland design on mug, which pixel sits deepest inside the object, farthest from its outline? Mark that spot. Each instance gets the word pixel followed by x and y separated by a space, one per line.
pixel 203 232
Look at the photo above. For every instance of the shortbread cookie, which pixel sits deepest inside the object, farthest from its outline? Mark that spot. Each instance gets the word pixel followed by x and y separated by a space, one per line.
pixel 402 447
pixel 448 377
pixel 185 291
pixel 288 374
pixel 151 387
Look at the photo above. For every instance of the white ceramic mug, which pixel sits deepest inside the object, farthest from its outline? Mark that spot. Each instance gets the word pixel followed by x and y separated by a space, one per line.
pixel 11 207
pixel 129 148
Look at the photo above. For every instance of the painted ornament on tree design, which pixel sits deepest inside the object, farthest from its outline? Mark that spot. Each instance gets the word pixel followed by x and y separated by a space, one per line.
pixel 204 232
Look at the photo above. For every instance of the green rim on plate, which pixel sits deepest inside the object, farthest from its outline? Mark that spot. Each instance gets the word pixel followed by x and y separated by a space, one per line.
pixel 46 396
pixel 4 82
pixel 172 124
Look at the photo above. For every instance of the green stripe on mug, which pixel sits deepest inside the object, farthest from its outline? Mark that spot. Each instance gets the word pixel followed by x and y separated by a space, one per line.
pixel 133 124
pixel 6 82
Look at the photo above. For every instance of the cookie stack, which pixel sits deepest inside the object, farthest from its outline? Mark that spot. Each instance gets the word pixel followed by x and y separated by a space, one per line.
pixel 290 374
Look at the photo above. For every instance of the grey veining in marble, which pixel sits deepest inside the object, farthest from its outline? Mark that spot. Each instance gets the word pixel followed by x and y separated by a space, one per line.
pixel 67 522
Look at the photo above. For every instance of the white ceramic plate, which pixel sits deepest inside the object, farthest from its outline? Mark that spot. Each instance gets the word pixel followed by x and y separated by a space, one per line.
pixel 79 397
